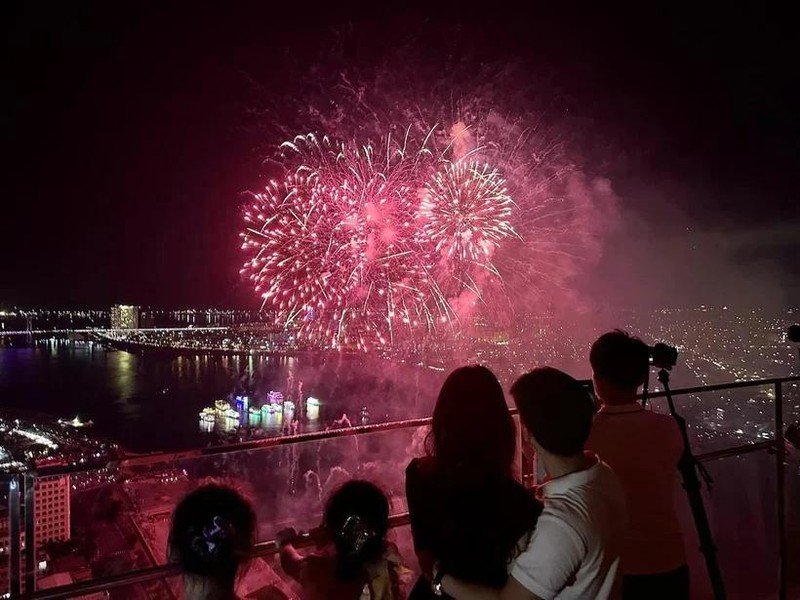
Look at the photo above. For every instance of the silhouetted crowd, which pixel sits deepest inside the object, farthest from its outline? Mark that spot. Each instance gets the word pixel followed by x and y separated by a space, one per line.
pixel 601 525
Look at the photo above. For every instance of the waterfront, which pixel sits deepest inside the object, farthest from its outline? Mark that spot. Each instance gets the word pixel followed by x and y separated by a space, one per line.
pixel 151 399
pixel 148 402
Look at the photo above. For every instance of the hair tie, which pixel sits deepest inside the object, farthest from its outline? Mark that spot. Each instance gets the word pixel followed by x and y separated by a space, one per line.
pixel 212 535
pixel 356 533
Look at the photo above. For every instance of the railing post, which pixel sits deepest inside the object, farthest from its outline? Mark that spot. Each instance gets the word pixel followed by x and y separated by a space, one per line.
pixel 13 536
pixel 30 533
pixel 780 475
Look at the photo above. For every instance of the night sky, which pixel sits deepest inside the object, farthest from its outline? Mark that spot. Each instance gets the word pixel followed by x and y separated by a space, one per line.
pixel 129 137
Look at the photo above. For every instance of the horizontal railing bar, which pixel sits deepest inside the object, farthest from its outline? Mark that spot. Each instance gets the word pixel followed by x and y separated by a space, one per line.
pixel 163 457
pixel 736 451
pixel 261 550
pixel 725 386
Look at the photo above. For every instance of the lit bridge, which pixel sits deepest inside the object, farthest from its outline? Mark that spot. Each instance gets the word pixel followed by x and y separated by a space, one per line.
pixel 104 332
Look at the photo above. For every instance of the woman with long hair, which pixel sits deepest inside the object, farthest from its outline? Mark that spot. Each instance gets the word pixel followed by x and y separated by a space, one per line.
pixel 467 509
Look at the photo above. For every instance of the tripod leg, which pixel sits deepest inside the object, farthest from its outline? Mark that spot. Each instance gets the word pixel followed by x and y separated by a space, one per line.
pixel 691 483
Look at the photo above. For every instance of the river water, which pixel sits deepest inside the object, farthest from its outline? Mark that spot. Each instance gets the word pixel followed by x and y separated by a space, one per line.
pixel 148 402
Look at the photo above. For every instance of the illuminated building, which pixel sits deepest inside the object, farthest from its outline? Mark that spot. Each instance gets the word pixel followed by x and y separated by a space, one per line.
pixel 51 498
pixel 52 517
pixel 208 418
pixel 124 316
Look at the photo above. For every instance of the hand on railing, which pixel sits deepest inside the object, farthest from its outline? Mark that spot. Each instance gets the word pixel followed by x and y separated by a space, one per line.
pixel 289 535
pixel 286 536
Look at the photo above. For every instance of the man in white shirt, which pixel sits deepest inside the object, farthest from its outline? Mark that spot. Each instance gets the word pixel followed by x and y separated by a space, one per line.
pixel 574 550
pixel 643 448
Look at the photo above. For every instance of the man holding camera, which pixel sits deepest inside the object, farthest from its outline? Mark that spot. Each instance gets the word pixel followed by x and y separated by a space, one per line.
pixel 643 448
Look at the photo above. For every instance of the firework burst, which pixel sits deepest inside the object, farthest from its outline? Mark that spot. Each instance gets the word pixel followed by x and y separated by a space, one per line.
pixel 466 211
pixel 333 248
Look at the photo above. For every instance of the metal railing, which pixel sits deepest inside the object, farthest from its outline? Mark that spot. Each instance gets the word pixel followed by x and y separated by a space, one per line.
pixel 16 483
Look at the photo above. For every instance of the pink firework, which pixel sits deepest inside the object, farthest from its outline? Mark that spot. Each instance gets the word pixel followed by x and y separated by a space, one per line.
pixel 333 247
pixel 467 211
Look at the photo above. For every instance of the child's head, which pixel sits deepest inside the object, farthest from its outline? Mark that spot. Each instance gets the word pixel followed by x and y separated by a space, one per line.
pixel 212 532
pixel 357 519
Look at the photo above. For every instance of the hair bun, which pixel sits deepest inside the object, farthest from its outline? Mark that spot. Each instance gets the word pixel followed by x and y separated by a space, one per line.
pixel 208 541
pixel 356 534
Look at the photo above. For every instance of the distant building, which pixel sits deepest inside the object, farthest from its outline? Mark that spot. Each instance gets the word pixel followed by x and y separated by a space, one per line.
pixel 52 512
pixel 124 316
pixel 51 519
pixel 51 497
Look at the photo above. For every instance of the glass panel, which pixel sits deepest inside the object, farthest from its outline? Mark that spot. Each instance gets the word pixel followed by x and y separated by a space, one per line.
pixel 742 513
pixel 120 516
pixel 167 588
pixel 793 517
pixel 725 418
pixel 260 578
pixel 791 402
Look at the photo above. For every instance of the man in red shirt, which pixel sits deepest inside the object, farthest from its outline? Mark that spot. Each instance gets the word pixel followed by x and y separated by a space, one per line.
pixel 643 448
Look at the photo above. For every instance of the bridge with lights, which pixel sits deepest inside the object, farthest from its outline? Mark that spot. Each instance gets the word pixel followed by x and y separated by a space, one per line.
pixel 105 332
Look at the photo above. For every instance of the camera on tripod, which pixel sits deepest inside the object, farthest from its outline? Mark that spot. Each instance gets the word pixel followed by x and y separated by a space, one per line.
pixel 663 356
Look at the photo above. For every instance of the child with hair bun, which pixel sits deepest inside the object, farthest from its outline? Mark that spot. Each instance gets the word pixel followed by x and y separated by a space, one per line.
pixel 212 533
pixel 357 563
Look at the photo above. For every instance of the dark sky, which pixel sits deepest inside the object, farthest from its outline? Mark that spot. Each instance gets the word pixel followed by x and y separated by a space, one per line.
pixel 128 138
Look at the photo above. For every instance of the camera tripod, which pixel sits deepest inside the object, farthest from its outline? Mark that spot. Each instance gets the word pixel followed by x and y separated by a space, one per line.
pixel 689 468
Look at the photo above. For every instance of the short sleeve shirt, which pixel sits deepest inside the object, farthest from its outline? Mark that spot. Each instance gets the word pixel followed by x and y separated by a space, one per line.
pixel 643 448
pixel 574 551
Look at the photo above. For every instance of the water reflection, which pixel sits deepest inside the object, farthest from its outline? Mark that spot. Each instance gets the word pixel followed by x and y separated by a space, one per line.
pixel 154 401
pixel 123 365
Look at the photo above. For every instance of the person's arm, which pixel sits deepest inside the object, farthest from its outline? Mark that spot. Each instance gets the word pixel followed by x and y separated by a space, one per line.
pixel 291 561
pixel 544 568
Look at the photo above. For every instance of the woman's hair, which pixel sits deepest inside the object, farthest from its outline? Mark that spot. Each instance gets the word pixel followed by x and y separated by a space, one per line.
pixel 472 433
pixel 357 519
pixel 212 532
